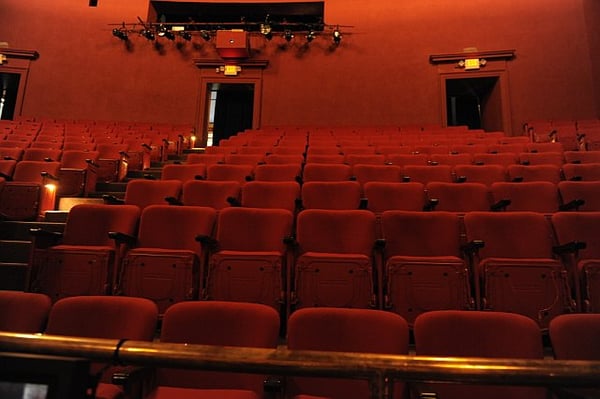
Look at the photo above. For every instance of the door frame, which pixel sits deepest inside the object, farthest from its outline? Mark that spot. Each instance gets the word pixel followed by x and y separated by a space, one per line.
pixel 18 62
pixel 251 73
pixel 504 96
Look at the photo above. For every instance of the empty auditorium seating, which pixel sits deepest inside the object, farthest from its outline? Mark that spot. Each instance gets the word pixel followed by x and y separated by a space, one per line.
pixel 326 172
pixel 582 156
pixel 247 260
pixel 542 158
pixel 31 192
pixel 107 317
pixel 82 260
pixel 221 324
pixel 578 232
pixel 384 196
pixel 184 172
pixel 515 267
pixel 423 266
pixel 278 172
pixel 7 168
pixel 23 312
pixel 42 154
pixel 332 195
pixel 335 259
pixel 535 196
pixel 458 197
pixel 271 194
pixel 405 159
pixel 451 159
pixel 215 194
pixel 343 330
pixel 574 336
pixel 504 159
pixel 452 333
pixel 112 161
pixel 426 174
pixel 585 171
pixel 486 174
pixel 78 173
pixel 206 159
pixel 164 266
pixel 142 193
pixel 580 195
pixel 240 173
pixel 544 172
pixel 364 173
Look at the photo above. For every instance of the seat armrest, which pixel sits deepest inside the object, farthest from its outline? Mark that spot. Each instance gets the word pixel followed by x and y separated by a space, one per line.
pixel 122 238
pixel 173 201
pixel 431 204
pixel 44 238
pixel 572 205
pixel 570 247
pixel 500 205
pixel 473 247
pixel 112 200
pixel 208 241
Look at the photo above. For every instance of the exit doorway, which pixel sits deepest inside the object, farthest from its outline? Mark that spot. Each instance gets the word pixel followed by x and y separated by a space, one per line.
pixel 476 102
pixel 9 90
pixel 230 110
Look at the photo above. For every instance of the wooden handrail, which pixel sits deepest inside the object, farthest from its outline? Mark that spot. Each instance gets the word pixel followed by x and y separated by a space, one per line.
pixel 377 368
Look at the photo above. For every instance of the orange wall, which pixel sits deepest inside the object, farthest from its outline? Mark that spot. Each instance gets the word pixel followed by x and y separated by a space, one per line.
pixel 380 75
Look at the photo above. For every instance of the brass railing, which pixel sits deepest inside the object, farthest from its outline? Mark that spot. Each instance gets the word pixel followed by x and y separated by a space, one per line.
pixel 376 368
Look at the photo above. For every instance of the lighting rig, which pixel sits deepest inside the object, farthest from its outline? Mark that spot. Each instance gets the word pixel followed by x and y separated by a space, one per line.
pixel 266 29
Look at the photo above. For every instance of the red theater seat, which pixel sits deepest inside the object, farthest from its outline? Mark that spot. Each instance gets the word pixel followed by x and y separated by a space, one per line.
pixel 335 263
pixel 452 333
pixel 247 260
pixel 515 266
pixel 343 330
pixel 220 324
pixel 164 265
pixel 423 266
pixel 23 312
pixel 83 260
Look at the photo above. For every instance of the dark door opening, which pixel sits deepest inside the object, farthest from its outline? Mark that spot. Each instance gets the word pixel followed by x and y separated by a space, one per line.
pixel 9 89
pixel 475 102
pixel 233 109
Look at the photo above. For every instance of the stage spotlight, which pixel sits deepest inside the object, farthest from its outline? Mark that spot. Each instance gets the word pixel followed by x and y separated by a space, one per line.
pixel 170 35
pixel 186 36
pixel 337 36
pixel 266 31
pixel 148 34
pixel 121 34
pixel 205 35
pixel 161 31
pixel 288 35
pixel 310 36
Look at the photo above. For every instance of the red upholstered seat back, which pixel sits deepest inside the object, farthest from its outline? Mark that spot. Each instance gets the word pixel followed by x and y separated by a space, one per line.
pixel 89 224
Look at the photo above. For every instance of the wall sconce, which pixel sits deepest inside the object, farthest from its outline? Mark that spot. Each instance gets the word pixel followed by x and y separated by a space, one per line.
pixel 472 63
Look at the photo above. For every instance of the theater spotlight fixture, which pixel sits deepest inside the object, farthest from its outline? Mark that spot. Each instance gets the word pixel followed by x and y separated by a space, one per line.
pixel 205 35
pixel 161 31
pixel 310 36
pixel 186 36
pixel 265 30
pixel 121 34
pixel 337 36
pixel 148 34
pixel 288 35
pixel 170 35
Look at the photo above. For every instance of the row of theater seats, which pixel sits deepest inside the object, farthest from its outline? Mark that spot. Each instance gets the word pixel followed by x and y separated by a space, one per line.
pixel 448 333
pixel 584 134
pixel 404 261
pixel 376 196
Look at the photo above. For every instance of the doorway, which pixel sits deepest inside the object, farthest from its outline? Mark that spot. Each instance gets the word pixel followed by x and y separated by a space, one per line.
pixel 9 90
pixel 475 102
pixel 230 111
